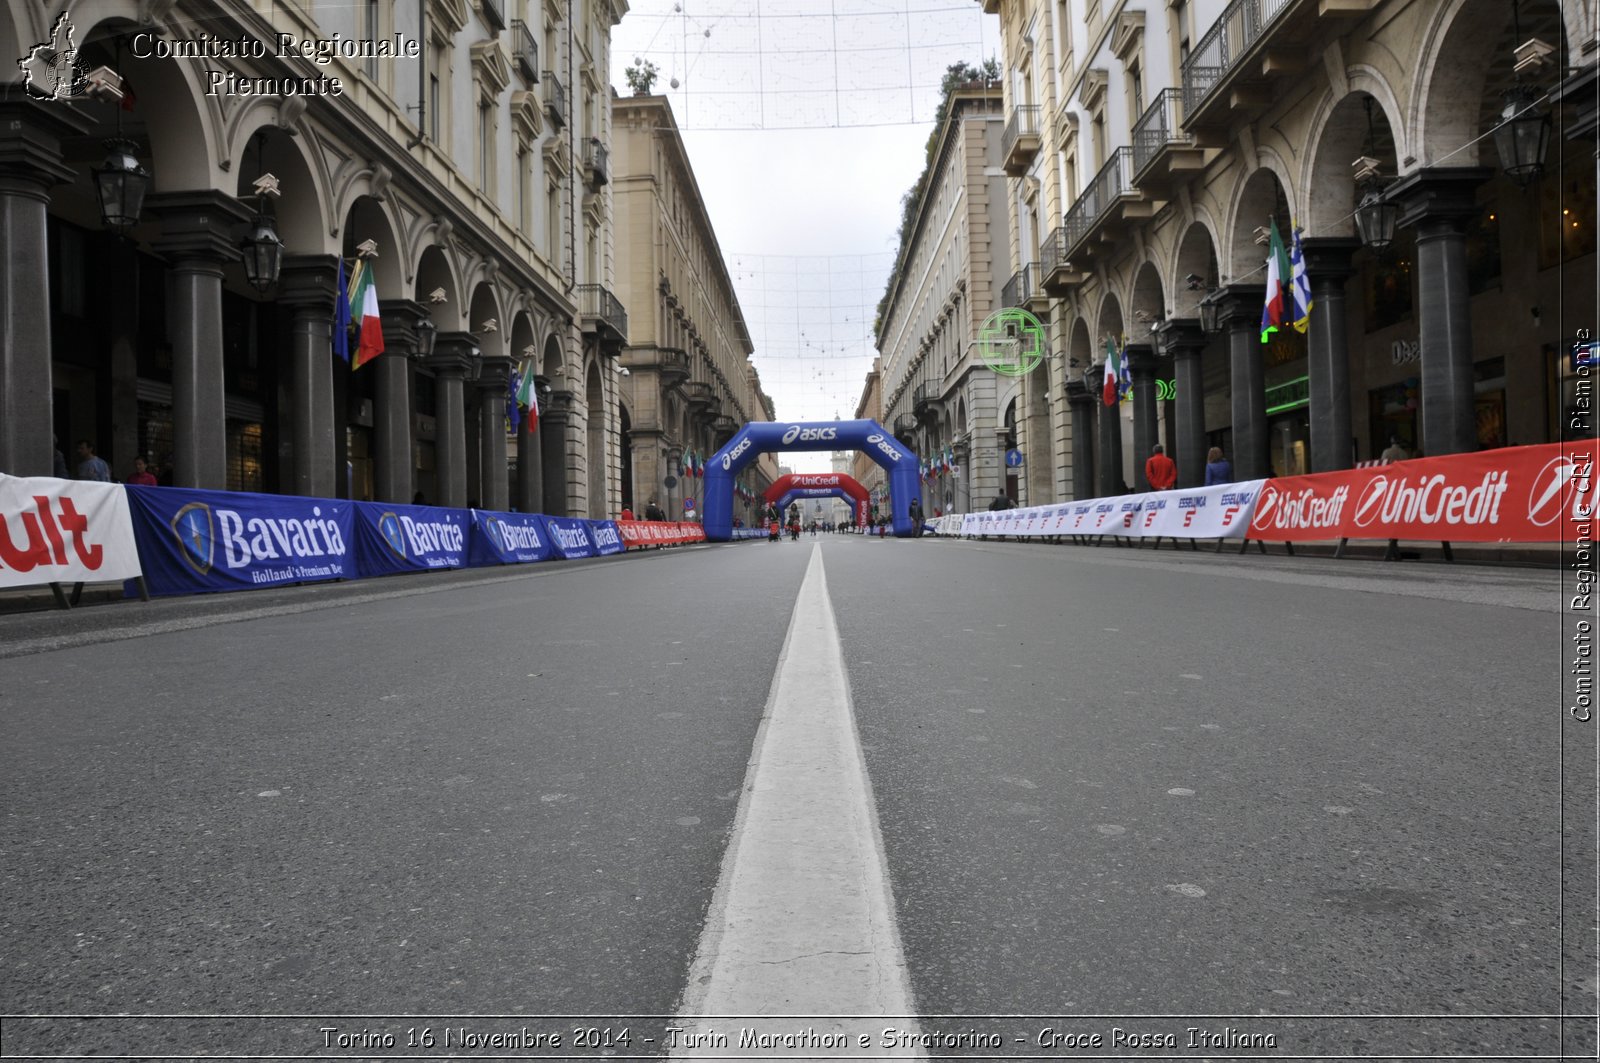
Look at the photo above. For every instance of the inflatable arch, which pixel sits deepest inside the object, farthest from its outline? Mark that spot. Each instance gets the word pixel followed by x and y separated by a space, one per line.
pixel 758 437
pixel 859 508
pixel 822 485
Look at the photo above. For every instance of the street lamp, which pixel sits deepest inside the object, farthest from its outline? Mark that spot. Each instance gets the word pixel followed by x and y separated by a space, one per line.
pixel 1208 314
pixel 120 182
pixel 263 253
pixel 427 332
pixel 1523 135
pixel 1376 218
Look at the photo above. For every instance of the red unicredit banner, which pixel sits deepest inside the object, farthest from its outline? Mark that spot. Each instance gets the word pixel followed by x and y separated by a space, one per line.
pixel 659 532
pixel 1537 494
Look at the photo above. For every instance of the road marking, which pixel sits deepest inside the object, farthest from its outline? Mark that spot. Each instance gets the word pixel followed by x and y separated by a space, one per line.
pixel 802 924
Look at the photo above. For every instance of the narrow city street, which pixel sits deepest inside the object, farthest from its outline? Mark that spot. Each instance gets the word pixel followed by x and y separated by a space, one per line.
pixel 1303 807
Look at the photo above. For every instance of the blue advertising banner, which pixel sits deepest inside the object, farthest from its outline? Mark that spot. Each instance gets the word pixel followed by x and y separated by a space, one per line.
pixel 570 536
pixel 391 538
pixel 606 538
pixel 191 541
pixel 508 539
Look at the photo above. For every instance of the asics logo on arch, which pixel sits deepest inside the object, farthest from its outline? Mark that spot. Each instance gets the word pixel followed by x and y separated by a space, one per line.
pixel 808 435
pixel 732 455
pixel 885 446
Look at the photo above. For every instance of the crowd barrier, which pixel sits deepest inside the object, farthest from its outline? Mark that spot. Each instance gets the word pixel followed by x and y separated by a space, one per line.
pixel 169 541
pixel 1534 494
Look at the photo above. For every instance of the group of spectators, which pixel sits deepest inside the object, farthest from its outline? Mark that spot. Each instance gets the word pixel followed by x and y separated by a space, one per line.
pixel 91 466
pixel 1161 472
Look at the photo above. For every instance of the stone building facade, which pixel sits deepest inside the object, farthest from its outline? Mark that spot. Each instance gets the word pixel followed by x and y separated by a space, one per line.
pixel 1149 145
pixel 690 384
pixel 472 168
pixel 938 392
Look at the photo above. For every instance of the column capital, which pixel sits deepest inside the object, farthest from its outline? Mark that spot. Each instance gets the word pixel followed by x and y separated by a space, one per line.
pixel 309 282
pixel 400 317
pixel 1182 337
pixel 453 354
pixel 1328 257
pixel 201 224
pixel 561 404
pixel 1445 194
pixel 1078 393
pixel 1238 304
pixel 31 132
pixel 1141 358
pixel 495 372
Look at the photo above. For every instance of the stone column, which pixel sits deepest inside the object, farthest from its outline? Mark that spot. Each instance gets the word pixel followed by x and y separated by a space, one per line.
pixel 1142 367
pixel 554 425
pixel 391 415
pixel 1239 311
pixel 1439 202
pixel 199 235
pixel 307 284
pixel 1328 350
pixel 1110 444
pixel 530 458
pixel 30 164
pixel 1082 401
pixel 1185 341
pixel 453 354
pixel 496 482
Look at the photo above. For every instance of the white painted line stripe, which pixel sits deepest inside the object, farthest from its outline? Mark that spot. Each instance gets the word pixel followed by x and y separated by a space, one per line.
pixel 802 922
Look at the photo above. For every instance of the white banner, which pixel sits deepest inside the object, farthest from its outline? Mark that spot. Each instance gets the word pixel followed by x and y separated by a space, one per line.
pixel 64 531
pixel 1200 513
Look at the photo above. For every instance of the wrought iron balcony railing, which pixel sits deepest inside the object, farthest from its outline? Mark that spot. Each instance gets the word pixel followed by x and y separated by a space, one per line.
pixel 1159 128
pixel 596 304
pixel 1020 142
pixel 1114 181
pixel 525 51
pixel 555 99
pixel 494 13
pixel 597 160
pixel 1224 44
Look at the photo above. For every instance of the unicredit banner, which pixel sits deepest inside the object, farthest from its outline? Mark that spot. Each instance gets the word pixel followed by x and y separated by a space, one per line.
pixel 508 539
pixel 391 538
pixel 64 531
pixel 195 541
pixel 1533 494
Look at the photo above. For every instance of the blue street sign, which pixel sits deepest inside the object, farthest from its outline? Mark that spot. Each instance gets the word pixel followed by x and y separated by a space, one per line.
pixel 1013 458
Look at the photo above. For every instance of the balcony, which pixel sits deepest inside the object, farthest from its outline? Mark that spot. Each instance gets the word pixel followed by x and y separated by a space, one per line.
pixel 555 100
pixel 905 426
pixel 1021 141
pixel 602 315
pixel 494 15
pixel 674 367
pixel 597 161
pixel 697 393
pixel 525 51
pixel 1024 290
pixel 924 403
pixel 1056 274
pixel 724 425
pixel 1162 151
pixel 1097 216
pixel 1228 75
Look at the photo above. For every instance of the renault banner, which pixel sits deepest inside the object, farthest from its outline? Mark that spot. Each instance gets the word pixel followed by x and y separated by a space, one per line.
pixel 64 531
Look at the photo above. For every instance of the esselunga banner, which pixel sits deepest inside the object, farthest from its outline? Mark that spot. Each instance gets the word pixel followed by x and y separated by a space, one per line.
pixel 1221 512
pixel 393 538
pixel 195 541
pixel 508 539
pixel 1543 493
pixel 64 531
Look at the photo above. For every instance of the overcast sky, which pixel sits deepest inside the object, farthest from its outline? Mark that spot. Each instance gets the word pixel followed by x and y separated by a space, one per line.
pixel 804 134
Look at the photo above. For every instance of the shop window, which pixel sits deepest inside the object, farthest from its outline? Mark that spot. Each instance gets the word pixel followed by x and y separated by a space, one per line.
pixel 1483 252
pixel 1489 402
pixel 1566 215
pixel 1389 292
pixel 244 455
pixel 240 360
pixel 156 439
pixel 427 395
pixel 1393 414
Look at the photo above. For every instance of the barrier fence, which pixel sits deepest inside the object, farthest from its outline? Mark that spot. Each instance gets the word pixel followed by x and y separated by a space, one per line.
pixel 1533 494
pixel 180 541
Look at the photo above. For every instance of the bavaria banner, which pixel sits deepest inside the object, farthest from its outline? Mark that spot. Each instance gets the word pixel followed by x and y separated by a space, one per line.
pixel 1534 494
pixel 606 538
pixel 570 536
pixel 64 531
pixel 508 539
pixel 192 541
pixel 391 538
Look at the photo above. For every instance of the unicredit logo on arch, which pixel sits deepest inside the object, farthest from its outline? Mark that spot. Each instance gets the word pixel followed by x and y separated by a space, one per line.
pixel 816 481
pixel 1307 508
pixel 1430 500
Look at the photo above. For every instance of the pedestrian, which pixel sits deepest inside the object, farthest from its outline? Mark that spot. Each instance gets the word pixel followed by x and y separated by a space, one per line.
pixel 60 470
pixel 1001 502
pixel 90 465
pixel 916 517
pixel 627 514
pixel 419 499
pixel 1394 452
pixel 142 476
pixel 1218 468
pixel 1159 470
pixel 653 511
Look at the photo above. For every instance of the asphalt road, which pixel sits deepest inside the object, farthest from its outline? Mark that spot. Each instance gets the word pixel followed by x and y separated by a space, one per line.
pixel 1114 791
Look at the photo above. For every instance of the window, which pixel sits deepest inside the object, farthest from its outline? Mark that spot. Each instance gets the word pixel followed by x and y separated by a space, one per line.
pixel 485 147
pixel 1180 19
pixel 1136 90
pixel 553 220
pixel 435 105
pixel 1099 133
pixel 373 31
pixel 524 178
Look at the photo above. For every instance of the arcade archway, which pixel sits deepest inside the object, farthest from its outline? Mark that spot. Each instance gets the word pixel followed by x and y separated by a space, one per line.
pixel 759 437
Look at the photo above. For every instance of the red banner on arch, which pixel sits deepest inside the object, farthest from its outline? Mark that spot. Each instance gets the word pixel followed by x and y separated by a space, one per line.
pixel 1535 494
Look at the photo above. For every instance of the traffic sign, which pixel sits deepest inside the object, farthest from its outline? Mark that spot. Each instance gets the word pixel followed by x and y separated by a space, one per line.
pixel 688 504
pixel 1013 458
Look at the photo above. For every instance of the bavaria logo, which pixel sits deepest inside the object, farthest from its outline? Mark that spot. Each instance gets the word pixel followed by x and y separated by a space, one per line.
pixel 1553 485
pixel 192 526
pixel 393 534
pixel 492 528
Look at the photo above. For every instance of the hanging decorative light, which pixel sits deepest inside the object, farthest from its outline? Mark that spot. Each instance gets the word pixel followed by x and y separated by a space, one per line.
pixel 1208 314
pixel 1523 135
pixel 263 254
pixel 427 332
pixel 1376 217
pixel 120 182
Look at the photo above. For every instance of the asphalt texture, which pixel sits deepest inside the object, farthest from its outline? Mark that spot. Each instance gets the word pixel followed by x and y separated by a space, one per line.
pixel 1120 792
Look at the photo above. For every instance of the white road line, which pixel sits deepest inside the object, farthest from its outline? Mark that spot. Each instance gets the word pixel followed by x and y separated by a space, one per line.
pixel 802 924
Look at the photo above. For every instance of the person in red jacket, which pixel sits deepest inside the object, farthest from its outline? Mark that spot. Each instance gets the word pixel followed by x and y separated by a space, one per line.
pixel 1159 470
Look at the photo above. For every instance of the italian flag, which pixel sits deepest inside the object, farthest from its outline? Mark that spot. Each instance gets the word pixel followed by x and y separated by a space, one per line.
pixel 528 394
pixel 1108 391
pixel 364 314
pixel 1276 309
